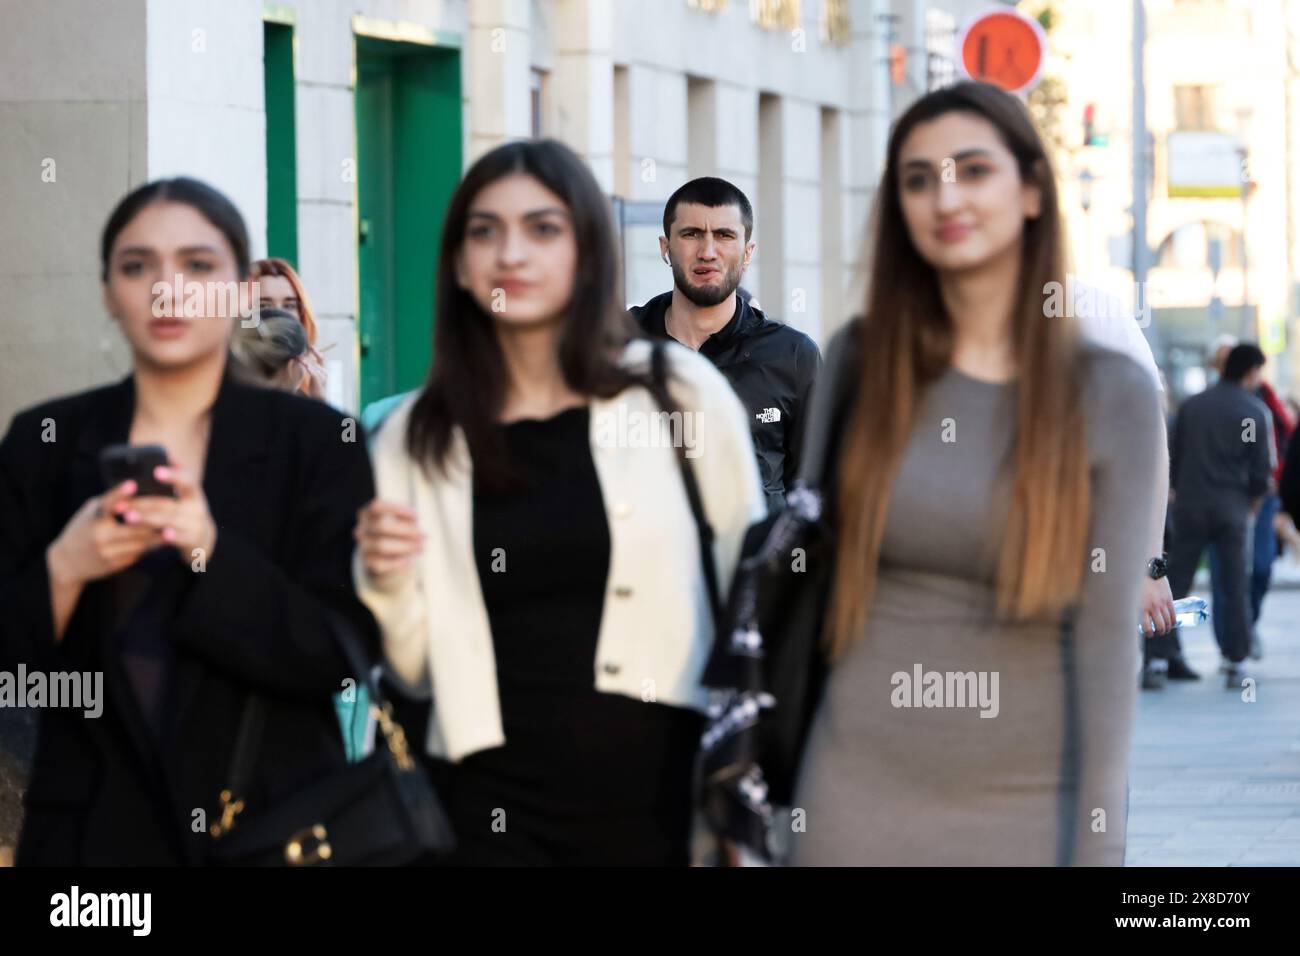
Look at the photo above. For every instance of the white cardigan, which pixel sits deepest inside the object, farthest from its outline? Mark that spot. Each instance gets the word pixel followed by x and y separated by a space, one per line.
pixel 655 630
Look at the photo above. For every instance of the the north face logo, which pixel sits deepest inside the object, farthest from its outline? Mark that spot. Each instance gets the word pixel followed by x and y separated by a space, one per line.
pixel 769 415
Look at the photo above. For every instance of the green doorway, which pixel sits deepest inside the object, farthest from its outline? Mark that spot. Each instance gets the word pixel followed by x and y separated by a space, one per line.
pixel 409 146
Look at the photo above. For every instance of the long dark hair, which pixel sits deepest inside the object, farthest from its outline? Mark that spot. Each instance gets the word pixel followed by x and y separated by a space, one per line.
pixel 211 204
pixel 905 341
pixel 467 381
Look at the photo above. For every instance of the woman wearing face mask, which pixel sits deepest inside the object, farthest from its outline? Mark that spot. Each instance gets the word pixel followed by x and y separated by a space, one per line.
pixel 185 605
pixel 532 558
pixel 990 486
pixel 270 350
pixel 278 287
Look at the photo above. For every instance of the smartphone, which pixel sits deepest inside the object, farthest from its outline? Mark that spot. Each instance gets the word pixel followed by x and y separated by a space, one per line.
pixel 119 463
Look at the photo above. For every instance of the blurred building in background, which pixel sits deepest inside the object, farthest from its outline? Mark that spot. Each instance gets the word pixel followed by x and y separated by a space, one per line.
pixel 1221 97
pixel 340 128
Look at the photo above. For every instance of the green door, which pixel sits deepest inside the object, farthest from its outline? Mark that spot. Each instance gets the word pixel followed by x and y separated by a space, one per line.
pixel 281 154
pixel 409 146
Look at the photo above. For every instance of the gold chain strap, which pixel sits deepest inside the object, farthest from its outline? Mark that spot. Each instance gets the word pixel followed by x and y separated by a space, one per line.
pixel 230 808
pixel 394 735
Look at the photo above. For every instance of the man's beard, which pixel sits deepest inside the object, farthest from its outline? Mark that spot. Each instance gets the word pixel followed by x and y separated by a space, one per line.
pixel 710 294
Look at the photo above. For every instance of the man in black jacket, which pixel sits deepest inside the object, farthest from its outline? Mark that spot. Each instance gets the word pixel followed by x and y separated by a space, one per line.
pixel 1221 462
pixel 706 242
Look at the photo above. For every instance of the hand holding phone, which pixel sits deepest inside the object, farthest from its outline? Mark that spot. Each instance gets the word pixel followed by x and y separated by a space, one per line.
pixel 92 546
pixel 119 463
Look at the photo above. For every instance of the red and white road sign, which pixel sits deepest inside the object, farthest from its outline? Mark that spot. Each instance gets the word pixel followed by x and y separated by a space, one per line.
pixel 1005 48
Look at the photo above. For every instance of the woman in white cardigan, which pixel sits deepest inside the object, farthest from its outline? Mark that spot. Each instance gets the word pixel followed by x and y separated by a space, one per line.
pixel 531 554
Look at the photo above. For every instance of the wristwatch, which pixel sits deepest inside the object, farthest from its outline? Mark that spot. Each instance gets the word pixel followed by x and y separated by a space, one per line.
pixel 1157 568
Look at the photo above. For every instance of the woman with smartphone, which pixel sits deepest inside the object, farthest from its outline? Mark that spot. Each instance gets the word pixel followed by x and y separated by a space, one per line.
pixel 532 557
pixel 195 582
pixel 991 487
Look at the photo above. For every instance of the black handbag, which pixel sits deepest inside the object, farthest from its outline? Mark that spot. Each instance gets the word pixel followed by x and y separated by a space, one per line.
pixel 768 665
pixel 380 811
pixel 765 668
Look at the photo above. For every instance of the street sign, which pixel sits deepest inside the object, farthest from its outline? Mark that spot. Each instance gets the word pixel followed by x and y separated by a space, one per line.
pixel 1203 163
pixel 1005 48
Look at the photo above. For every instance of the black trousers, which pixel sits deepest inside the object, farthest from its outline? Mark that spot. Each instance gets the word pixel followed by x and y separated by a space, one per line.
pixel 1227 525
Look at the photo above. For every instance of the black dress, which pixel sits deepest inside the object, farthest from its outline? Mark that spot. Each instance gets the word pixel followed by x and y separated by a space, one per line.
pixel 585 778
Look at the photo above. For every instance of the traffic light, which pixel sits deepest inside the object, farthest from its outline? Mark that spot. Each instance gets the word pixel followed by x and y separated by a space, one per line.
pixel 1089 124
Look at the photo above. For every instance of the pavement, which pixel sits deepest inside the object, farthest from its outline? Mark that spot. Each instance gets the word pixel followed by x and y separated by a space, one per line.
pixel 1215 778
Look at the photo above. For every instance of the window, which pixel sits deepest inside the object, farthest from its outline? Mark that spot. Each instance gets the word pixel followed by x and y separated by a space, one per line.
pixel 537 87
pixel 1194 108
pixel 701 127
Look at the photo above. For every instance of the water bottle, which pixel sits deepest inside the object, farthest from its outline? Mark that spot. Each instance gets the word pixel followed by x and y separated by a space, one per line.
pixel 1188 612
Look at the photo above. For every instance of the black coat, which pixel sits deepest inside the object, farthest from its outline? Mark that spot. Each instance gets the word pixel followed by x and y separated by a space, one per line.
pixel 771 368
pixel 283 486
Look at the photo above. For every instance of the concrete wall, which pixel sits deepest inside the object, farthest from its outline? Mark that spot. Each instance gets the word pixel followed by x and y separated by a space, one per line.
pixel 73 140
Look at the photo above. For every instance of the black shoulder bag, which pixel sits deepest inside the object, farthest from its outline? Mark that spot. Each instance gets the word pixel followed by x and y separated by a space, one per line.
pixel 380 811
pixel 767 667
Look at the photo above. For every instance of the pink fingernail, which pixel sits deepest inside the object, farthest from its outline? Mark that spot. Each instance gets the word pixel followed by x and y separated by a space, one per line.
pixel 169 534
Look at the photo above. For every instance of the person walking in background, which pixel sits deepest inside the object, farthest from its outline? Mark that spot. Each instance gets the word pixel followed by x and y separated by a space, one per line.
pixel 1164 657
pixel 1111 326
pixel 534 565
pixel 1264 548
pixel 706 243
pixel 280 288
pixel 1264 541
pixel 1221 461
pixel 259 494
pixel 992 499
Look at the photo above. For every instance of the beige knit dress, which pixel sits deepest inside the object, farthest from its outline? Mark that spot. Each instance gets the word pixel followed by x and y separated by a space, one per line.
pixel 946 736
